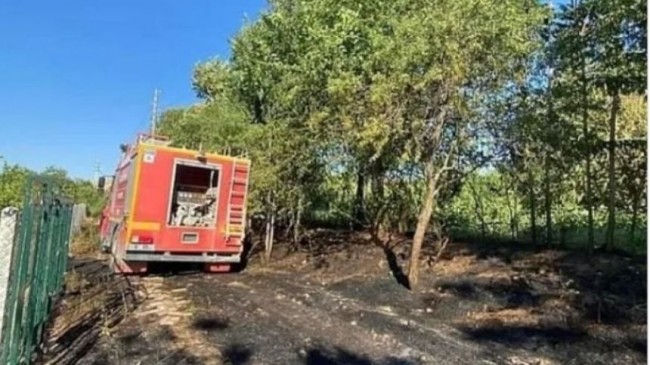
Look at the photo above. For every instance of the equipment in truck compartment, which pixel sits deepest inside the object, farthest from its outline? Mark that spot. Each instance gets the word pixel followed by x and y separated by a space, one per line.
pixel 175 205
pixel 194 196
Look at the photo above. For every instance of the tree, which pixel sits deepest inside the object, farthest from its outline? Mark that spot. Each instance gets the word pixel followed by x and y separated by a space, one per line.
pixel 13 180
pixel 632 158
pixel 620 37
pixel 385 87
pixel 441 101
pixel 212 80
pixel 381 113
pixel 12 185
pixel 573 56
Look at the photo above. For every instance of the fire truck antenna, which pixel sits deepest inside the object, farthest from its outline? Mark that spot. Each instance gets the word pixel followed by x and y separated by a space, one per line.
pixel 154 111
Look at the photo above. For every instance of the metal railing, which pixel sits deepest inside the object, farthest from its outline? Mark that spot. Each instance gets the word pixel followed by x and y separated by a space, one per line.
pixel 38 253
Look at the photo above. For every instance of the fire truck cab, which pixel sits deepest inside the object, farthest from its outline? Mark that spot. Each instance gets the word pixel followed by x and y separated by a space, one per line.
pixel 171 204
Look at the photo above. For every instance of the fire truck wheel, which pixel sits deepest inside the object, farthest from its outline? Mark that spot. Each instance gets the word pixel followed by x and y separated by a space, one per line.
pixel 217 268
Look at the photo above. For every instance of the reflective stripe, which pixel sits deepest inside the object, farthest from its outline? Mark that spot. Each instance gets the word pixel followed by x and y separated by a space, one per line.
pixel 145 226
pixel 134 195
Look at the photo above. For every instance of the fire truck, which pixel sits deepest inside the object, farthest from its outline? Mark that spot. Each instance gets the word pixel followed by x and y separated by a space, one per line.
pixel 171 204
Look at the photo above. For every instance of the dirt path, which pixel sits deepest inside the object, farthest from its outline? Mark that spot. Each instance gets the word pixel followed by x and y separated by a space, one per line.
pixel 276 318
pixel 272 318
pixel 171 309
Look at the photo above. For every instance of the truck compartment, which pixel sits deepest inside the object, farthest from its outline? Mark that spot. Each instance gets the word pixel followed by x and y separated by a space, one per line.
pixel 194 195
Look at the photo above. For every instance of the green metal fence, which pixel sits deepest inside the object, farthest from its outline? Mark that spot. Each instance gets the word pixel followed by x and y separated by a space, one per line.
pixel 38 263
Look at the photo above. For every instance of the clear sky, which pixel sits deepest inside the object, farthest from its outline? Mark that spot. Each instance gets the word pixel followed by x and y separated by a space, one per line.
pixel 77 76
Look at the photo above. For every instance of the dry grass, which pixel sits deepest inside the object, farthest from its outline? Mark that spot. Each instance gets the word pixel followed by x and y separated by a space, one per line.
pixel 86 242
pixel 83 299
pixel 496 274
pixel 517 360
pixel 504 317
pixel 458 265
pixel 75 281
pixel 93 303
pixel 172 309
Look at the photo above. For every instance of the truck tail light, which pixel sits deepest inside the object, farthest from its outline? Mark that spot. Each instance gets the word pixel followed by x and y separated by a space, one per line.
pixel 142 239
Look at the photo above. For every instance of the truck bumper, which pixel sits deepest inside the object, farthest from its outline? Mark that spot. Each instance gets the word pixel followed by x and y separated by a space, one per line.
pixel 211 258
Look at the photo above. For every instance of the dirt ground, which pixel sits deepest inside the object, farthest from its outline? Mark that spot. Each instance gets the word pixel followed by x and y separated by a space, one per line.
pixel 337 300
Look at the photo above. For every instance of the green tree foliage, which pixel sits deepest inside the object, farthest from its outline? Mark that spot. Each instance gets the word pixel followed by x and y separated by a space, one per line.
pixel 212 80
pixel 13 179
pixel 12 185
pixel 207 126
pixel 562 127
pixel 375 82
pixel 494 117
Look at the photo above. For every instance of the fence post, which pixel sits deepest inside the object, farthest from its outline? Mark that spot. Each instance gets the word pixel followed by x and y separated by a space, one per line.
pixel 8 217
pixel 78 216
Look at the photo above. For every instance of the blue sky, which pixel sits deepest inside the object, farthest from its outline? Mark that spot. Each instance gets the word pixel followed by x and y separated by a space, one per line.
pixel 77 77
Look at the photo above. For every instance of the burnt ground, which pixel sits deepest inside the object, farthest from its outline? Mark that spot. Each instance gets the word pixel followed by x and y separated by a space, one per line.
pixel 337 300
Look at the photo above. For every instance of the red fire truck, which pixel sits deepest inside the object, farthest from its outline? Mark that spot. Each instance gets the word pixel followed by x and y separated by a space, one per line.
pixel 171 204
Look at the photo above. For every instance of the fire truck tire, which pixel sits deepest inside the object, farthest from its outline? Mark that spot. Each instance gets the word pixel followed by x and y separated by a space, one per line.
pixel 217 268
pixel 245 254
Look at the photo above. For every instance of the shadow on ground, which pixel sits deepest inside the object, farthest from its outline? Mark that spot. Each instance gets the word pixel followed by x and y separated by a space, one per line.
pixel 237 354
pixel 209 324
pixel 557 303
pixel 555 306
pixel 338 356
pixel 566 305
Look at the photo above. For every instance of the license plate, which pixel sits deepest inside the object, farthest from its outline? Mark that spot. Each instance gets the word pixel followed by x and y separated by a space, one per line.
pixel 139 247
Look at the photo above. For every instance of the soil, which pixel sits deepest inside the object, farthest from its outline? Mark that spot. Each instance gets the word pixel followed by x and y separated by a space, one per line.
pixel 338 299
pixel 93 301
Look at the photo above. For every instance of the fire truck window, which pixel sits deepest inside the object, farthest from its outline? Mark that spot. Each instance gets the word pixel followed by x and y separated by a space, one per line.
pixel 194 196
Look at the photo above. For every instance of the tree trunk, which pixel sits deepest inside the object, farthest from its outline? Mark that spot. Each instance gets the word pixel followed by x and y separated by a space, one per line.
pixel 267 239
pixel 533 207
pixel 378 183
pixel 271 236
pixel 378 196
pixel 611 186
pixel 515 210
pixel 511 215
pixel 359 212
pixel 289 228
pixel 270 228
pixel 423 222
pixel 516 222
pixel 270 215
pixel 478 210
pixel 402 225
pixel 547 166
pixel 635 216
pixel 296 223
pixel 587 138
pixel 547 201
